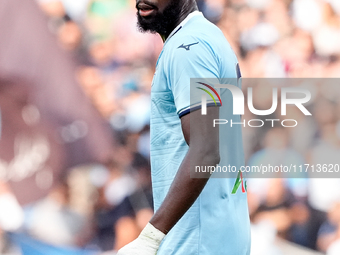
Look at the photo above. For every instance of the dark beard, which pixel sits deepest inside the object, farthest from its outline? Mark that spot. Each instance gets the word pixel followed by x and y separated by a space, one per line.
pixel 161 23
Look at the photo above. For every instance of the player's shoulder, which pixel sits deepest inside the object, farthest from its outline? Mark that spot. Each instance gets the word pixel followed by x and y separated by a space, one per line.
pixel 199 36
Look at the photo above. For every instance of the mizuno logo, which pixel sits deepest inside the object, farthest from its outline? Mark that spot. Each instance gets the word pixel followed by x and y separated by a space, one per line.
pixel 187 47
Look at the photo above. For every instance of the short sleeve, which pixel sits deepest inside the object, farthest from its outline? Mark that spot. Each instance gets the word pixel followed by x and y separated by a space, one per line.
pixel 193 59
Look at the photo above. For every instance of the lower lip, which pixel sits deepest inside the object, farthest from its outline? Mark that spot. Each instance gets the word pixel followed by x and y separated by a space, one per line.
pixel 145 13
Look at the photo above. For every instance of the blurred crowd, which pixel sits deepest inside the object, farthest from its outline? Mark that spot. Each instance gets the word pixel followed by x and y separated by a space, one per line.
pixel 103 207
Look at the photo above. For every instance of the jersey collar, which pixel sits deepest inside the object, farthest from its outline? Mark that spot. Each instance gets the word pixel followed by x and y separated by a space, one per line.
pixel 189 17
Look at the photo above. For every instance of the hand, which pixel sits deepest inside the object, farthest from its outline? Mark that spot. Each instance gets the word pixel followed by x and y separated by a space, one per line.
pixel 147 242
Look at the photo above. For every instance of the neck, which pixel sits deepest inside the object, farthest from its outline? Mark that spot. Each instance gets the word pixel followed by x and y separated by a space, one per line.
pixel 188 7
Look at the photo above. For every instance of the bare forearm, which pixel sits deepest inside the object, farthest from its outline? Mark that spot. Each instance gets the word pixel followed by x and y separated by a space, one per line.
pixel 183 192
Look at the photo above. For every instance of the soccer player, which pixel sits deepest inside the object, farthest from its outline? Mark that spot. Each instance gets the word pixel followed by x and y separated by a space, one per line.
pixel 193 216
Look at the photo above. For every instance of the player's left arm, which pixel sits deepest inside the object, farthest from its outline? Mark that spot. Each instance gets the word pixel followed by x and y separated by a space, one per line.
pixel 203 139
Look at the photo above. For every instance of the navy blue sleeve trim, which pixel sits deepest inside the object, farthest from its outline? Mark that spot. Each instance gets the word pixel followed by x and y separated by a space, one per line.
pixel 195 108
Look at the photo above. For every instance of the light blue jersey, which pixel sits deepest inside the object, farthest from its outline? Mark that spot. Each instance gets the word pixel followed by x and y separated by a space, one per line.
pixel 218 222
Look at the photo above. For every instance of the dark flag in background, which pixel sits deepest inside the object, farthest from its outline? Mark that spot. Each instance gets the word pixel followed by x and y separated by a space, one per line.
pixel 47 123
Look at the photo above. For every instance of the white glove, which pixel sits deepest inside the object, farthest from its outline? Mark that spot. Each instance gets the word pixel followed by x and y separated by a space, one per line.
pixel 147 243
